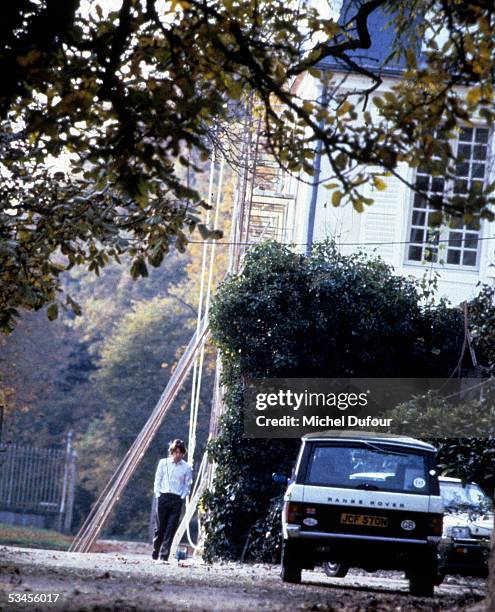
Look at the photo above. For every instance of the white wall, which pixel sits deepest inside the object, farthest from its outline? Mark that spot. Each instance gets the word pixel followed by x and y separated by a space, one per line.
pixel 385 222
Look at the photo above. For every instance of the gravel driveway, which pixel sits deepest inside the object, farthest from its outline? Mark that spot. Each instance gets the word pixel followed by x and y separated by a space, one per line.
pixel 122 581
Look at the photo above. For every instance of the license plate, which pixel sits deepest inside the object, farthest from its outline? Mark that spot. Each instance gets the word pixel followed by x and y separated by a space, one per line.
pixel 364 519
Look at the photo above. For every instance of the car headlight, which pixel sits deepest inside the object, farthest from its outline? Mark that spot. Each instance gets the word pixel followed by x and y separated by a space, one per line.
pixel 461 533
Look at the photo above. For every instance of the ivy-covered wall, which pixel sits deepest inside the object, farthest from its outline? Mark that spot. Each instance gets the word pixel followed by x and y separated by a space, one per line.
pixel 287 315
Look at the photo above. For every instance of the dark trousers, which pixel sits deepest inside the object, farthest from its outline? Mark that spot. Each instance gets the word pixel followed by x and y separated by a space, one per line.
pixel 168 512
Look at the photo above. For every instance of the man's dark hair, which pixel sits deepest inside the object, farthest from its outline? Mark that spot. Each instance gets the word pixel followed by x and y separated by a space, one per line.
pixel 177 445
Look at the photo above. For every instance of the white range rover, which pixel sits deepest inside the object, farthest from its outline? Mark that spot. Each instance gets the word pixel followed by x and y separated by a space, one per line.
pixel 467 528
pixel 366 500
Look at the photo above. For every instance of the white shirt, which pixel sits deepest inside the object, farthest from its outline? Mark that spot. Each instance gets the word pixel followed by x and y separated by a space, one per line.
pixel 173 477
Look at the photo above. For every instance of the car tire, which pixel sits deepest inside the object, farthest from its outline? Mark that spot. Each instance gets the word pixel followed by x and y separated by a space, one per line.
pixel 290 571
pixel 335 570
pixel 291 574
pixel 421 585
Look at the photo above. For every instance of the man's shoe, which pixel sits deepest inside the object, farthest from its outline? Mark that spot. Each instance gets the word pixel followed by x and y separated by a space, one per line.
pixel 154 556
pixel 164 559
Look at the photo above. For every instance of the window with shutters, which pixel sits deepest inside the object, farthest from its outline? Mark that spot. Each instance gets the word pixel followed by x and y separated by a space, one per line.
pixel 458 243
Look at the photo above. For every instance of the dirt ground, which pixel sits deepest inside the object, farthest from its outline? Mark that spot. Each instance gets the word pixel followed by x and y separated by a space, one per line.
pixel 126 579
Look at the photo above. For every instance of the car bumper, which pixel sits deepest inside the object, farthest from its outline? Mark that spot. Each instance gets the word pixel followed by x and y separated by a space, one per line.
pixel 332 537
pixel 368 552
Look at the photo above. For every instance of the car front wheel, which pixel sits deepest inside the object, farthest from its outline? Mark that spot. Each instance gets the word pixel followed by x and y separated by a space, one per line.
pixel 335 570
pixel 421 585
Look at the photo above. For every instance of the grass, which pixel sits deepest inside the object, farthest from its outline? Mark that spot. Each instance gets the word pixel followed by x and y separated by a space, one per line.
pixel 29 537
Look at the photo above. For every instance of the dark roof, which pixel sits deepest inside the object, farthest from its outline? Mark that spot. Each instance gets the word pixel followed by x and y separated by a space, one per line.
pixel 383 40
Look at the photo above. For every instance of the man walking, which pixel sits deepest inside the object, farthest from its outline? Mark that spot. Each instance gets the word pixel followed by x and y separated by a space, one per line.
pixel 173 480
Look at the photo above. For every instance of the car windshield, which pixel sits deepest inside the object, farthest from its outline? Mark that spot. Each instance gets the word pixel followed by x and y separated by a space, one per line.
pixel 371 467
pixel 455 496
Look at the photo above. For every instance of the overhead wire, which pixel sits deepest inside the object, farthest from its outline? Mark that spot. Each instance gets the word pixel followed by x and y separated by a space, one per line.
pixel 339 244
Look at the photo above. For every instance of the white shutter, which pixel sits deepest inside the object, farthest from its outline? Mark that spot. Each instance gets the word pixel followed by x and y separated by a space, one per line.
pixel 383 221
pixel 487 252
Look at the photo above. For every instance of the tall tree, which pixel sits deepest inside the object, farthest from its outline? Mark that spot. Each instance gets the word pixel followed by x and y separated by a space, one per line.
pixel 131 94
pixel 44 374
pixel 45 371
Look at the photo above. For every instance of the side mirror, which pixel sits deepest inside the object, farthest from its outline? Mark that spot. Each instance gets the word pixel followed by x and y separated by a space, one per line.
pixel 279 478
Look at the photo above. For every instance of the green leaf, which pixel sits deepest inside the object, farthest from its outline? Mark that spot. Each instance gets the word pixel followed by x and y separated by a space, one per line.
pixel 358 205
pixel 379 183
pixel 341 161
pixel 76 308
pixel 52 311
pixel 336 198
pixel 139 268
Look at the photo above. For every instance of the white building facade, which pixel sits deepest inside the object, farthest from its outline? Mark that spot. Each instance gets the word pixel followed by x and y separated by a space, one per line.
pixel 397 227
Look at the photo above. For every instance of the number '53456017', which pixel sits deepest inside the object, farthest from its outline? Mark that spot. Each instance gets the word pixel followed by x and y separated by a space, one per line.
pixel 33 597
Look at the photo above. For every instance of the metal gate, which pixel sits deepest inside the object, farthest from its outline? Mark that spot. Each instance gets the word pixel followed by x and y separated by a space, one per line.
pixel 39 482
